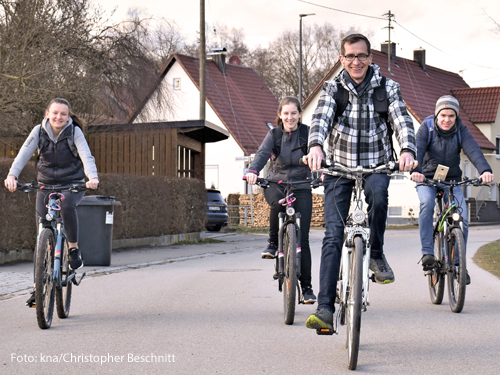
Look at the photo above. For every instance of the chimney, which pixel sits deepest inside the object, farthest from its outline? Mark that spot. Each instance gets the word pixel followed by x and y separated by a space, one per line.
pixel 385 46
pixel 419 57
pixel 218 56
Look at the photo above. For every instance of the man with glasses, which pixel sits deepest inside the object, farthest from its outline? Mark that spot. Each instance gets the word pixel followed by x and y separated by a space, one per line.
pixel 358 136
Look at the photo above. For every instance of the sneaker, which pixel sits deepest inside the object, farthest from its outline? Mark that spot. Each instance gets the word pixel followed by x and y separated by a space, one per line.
pixel 308 296
pixel 270 251
pixel 428 262
pixel 321 319
pixel 31 301
pixel 75 258
pixel 381 270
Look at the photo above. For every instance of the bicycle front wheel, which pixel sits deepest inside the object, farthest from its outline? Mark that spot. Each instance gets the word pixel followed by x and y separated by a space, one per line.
pixel 457 273
pixel 354 297
pixel 63 292
pixel 290 269
pixel 44 285
pixel 436 276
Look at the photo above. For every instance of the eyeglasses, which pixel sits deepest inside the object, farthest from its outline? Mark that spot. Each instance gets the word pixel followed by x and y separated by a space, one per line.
pixel 361 57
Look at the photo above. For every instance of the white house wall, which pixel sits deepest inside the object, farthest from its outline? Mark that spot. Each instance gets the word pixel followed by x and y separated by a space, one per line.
pixel 221 169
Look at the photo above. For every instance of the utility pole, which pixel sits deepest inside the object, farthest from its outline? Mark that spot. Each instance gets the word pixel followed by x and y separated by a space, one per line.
pixel 202 59
pixel 300 55
pixel 390 16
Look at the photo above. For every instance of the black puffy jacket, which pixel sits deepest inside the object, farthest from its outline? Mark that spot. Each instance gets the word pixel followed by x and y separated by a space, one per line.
pixel 57 162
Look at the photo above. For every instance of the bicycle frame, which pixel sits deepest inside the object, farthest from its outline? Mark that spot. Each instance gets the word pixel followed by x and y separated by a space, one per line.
pixel 285 218
pixel 53 217
pixel 449 247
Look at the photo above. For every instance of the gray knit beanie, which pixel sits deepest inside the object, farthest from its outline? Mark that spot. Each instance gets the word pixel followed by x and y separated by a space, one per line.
pixel 446 102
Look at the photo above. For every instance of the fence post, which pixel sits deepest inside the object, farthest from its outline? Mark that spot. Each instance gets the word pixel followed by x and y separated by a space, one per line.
pixel 246 215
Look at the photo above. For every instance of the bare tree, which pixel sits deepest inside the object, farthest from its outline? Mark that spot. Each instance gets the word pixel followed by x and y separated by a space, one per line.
pixel 278 65
pixel 51 48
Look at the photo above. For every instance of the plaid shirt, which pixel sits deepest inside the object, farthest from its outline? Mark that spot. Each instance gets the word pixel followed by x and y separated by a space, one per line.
pixel 361 136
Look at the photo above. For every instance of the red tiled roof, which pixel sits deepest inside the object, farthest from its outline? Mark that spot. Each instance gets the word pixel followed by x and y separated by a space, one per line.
pixel 241 99
pixel 481 103
pixel 420 89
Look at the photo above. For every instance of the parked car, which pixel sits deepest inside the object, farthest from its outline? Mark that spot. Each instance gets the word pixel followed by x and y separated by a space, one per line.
pixel 217 216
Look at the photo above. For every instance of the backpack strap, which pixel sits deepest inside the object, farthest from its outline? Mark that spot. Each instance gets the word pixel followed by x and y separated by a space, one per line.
pixel 277 134
pixel 341 98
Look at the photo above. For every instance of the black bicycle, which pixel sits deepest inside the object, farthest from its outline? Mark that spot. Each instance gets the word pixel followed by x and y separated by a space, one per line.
pixel 288 262
pixel 449 246
pixel 53 276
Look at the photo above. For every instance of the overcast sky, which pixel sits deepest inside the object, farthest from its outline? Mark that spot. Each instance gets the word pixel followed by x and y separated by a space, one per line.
pixel 457 35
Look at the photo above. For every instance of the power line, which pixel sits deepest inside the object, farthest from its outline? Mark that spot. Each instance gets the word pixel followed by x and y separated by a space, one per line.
pixel 440 50
pixel 342 11
pixel 379 18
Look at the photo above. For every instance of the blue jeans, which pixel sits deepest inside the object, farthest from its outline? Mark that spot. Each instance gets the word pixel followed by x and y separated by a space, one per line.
pixel 338 193
pixel 427 196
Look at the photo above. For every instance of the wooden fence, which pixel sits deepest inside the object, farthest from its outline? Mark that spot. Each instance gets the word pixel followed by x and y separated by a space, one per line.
pixel 144 151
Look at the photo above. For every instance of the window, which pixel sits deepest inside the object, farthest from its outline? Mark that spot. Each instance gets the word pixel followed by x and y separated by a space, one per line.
pixel 395 211
pixel 177 83
pixel 185 162
pixel 498 144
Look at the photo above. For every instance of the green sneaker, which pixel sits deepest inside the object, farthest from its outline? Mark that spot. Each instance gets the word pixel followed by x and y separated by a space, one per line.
pixel 321 319
pixel 381 270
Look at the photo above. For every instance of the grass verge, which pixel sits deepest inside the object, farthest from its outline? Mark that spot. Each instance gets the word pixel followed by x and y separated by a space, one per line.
pixel 488 257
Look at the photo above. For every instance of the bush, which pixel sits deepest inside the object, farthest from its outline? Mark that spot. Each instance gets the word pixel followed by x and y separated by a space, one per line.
pixel 150 206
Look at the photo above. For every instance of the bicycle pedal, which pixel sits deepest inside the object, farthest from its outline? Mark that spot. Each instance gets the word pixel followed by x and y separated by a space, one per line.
pixel 325 331
pixel 372 277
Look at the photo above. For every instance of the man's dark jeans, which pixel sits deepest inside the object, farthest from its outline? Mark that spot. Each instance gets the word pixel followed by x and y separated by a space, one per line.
pixel 338 193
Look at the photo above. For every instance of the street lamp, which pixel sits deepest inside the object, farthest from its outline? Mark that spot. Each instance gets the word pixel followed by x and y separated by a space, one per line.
pixel 300 54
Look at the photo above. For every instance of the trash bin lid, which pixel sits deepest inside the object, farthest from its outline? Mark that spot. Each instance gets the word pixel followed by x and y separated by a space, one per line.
pixel 99 200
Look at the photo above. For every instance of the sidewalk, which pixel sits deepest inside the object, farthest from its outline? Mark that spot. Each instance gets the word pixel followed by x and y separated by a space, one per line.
pixel 17 279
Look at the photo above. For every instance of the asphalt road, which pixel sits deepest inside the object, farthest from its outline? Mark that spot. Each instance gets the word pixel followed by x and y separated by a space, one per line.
pixel 214 309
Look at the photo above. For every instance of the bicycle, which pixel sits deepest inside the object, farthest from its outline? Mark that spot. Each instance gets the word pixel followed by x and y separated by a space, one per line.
pixel 449 247
pixel 53 276
pixel 288 262
pixel 354 276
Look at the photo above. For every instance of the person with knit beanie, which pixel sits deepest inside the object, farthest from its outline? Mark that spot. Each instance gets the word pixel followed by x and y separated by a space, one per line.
pixel 440 140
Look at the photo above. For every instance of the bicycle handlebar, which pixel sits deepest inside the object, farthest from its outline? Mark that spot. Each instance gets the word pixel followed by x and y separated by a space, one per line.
pixel 469 181
pixel 30 186
pixel 263 182
pixel 337 167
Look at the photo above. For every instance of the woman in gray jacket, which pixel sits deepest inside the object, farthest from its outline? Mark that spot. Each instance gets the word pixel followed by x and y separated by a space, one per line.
pixel 285 145
pixel 64 158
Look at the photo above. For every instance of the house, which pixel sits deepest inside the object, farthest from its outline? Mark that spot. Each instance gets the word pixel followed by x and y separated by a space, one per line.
pixel 237 100
pixel 421 86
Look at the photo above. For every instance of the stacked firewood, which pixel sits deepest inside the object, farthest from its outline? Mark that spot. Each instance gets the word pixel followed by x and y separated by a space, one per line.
pixel 261 210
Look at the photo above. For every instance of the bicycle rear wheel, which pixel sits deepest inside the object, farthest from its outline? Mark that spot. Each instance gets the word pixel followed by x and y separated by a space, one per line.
pixel 63 293
pixel 436 276
pixel 290 280
pixel 457 273
pixel 354 297
pixel 44 285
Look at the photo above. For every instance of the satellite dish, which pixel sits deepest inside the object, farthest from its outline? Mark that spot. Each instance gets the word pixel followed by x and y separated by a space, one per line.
pixel 235 60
